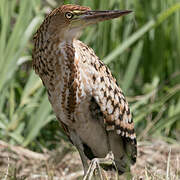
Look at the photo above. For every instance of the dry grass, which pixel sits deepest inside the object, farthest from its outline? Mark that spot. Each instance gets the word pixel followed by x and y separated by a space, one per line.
pixel 156 160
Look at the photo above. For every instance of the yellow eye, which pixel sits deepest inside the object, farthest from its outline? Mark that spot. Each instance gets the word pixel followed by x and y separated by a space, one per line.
pixel 69 15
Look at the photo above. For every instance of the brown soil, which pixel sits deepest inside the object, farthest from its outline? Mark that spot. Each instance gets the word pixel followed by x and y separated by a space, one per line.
pixel 156 160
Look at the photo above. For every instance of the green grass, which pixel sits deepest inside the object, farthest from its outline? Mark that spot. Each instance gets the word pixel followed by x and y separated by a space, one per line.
pixel 142 51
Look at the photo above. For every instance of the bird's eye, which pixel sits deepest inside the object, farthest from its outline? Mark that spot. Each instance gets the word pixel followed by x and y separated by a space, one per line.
pixel 69 15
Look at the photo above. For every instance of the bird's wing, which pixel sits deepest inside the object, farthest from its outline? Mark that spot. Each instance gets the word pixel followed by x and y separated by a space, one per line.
pixel 114 107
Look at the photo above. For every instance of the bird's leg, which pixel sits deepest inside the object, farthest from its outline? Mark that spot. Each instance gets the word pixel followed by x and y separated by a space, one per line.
pixel 77 142
pixel 96 163
pixel 84 160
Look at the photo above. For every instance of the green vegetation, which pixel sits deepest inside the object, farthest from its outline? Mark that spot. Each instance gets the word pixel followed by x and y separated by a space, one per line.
pixel 142 50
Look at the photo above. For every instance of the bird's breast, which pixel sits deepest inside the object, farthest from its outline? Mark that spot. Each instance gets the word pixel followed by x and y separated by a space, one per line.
pixel 65 85
pixel 66 71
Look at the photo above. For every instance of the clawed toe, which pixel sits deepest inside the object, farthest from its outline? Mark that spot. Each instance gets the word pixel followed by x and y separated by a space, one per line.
pixel 96 163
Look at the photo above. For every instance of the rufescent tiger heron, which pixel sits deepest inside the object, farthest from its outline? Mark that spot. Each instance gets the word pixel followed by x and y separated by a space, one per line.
pixel 85 97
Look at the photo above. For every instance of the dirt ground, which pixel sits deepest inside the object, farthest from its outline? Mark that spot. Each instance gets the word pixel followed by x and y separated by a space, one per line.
pixel 156 160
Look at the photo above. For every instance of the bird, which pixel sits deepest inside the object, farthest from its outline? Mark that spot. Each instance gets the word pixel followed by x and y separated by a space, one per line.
pixel 84 95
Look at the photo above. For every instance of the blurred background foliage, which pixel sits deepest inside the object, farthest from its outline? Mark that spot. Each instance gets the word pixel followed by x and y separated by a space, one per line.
pixel 141 49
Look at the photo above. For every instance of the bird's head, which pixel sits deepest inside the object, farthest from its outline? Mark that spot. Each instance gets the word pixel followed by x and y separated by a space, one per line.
pixel 68 20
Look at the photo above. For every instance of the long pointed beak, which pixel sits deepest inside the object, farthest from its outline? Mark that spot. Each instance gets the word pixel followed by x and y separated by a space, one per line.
pixel 96 16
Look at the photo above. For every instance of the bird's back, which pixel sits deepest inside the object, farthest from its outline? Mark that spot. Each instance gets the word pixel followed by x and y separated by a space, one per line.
pixel 108 110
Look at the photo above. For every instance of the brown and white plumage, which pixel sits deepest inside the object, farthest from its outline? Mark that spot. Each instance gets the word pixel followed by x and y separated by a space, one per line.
pixel 81 89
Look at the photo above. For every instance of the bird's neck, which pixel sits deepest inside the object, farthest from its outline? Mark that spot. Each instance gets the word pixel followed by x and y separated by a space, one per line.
pixel 52 52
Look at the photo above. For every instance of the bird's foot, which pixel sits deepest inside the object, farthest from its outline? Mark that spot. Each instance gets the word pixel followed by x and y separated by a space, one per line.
pixel 96 163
